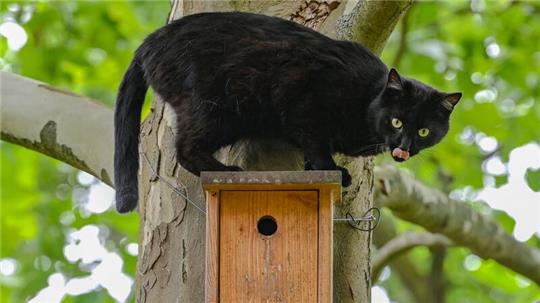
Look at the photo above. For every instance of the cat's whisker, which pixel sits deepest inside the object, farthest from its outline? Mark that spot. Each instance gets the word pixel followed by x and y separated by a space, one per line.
pixel 369 149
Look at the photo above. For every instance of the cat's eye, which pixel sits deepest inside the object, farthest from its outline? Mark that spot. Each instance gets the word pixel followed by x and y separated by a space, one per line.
pixel 423 132
pixel 396 123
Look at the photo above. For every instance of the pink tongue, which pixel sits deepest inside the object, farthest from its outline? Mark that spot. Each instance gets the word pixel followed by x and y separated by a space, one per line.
pixel 402 154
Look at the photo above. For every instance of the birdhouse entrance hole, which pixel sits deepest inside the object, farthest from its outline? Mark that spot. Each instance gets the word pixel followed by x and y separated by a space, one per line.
pixel 267 225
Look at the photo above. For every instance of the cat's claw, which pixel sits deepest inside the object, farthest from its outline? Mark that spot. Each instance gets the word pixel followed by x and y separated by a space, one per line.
pixel 345 176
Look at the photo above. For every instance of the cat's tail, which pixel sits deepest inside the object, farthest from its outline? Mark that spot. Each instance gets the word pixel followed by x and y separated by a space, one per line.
pixel 127 119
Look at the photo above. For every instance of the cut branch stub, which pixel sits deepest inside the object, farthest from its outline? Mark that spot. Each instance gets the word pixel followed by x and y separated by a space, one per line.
pixel 58 124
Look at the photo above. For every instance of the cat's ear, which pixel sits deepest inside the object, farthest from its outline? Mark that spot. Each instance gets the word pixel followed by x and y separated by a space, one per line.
pixel 394 80
pixel 450 100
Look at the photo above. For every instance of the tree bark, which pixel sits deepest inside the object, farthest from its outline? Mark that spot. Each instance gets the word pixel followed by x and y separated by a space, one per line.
pixel 171 263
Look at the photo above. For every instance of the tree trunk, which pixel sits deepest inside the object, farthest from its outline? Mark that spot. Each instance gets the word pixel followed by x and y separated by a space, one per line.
pixel 172 248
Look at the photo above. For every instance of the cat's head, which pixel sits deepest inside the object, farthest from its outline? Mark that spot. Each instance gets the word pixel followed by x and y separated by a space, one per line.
pixel 410 116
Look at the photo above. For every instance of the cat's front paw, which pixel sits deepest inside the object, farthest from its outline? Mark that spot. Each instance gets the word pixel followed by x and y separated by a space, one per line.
pixel 345 176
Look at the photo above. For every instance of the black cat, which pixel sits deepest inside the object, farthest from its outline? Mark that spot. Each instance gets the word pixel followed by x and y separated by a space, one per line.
pixel 237 75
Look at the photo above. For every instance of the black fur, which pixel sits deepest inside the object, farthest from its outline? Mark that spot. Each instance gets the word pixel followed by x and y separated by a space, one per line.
pixel 236 75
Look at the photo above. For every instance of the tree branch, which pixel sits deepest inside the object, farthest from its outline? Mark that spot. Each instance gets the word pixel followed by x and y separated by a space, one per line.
pixel 436 277
pixel 382 17
pixel 403 243
pixel 417 288
pixel 414 202
pixel 59 124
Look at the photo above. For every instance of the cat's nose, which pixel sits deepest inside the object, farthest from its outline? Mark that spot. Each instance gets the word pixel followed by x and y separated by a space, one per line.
pixel 405 143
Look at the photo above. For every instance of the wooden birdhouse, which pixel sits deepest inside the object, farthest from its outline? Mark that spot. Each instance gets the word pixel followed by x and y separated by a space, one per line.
pixel 269 235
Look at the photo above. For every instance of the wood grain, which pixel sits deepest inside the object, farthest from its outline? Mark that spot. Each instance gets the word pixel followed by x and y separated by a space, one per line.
pixel 257 268
pixel 325 244
pixel 212 247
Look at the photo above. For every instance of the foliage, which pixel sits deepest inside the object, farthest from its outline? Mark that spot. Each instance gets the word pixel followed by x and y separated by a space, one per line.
pixel 82 47
pixel 487 50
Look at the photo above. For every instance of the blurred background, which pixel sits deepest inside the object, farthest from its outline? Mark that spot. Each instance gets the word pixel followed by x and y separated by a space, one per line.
pixel 63 242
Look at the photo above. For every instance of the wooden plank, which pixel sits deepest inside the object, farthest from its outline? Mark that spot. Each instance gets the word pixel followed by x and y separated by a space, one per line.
pixel 325 245
pixel 276 268
pixel 212 247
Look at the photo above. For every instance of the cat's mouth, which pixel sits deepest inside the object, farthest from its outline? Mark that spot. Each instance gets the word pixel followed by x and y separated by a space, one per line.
pixel 400 155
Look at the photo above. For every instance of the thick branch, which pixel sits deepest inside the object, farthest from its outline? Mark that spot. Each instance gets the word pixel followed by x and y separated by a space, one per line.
pixel 412 201
pixel 372 22
pixel 62 125
pixel 403 243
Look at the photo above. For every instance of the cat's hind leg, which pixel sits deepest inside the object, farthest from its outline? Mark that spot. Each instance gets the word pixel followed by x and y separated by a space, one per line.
pixel 202 161
pixel 196 143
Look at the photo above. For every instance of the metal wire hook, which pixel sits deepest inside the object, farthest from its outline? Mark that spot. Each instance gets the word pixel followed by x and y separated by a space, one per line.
pixel 371 215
